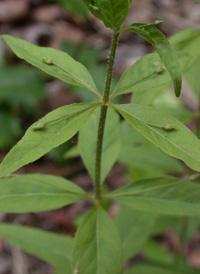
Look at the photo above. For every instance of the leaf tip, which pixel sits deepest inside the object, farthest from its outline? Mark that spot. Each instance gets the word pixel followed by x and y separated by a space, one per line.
pixel 178 87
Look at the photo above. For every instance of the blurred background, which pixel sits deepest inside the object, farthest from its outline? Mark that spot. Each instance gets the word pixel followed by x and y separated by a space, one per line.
pixel 26 94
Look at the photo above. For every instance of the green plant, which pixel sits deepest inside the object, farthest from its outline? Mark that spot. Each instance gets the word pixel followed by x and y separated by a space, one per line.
pixel 101 245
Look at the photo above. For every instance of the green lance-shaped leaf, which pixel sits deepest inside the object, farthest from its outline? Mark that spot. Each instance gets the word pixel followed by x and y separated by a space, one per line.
pixel 35 193
pixel 135 227
pixel 192 77
pixel 49 132
pixel 140 154
pixel 162 195
pixel 112 13
pixel 162 46
pixel 165 132
pixel 187 41
pixel 97 245
pixel 111 143
pixel 143 158
pixel 48 246
pixel 54 62
pixel 174 106
pixel 150 160
pixel 146 78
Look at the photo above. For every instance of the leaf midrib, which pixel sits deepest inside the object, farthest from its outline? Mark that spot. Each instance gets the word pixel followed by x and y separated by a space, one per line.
pixel 38 194
pixel 94 91
pixel 59 187
pixel 165 200
pixel 117 92
pixel 50 137
pixel 69 74
pixel 69 115
pixel 147 189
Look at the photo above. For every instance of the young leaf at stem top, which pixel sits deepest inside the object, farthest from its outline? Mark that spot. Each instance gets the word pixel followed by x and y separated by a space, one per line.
pixel 111 12
pixel 49 132
pixel 54 62
pixel 151 33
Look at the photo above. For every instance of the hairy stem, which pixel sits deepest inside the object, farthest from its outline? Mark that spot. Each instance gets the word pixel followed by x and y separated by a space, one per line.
pixel 102 119
pixel 110 67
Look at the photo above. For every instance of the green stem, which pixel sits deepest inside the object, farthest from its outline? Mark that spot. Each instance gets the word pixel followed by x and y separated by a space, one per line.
pixel 110 67
pixel 102 119
pixel 99 146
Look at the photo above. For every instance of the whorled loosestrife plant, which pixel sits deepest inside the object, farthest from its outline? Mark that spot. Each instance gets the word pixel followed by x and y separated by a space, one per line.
pixel 97 247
